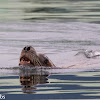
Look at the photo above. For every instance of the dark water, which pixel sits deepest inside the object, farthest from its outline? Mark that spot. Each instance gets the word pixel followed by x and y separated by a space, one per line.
pixel 81 85
pixel 59 29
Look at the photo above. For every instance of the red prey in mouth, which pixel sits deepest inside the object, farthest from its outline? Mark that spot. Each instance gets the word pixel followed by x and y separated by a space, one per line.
pixel 25 60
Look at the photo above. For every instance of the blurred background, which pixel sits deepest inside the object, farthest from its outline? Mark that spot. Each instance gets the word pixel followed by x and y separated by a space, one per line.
pixel 52 10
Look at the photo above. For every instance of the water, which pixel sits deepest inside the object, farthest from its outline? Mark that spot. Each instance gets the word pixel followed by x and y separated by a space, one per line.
pixel 59 29
pixel 65 10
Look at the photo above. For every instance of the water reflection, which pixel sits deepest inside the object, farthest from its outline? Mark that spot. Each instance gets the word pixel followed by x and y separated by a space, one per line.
pixel 81 85
pixel 30 78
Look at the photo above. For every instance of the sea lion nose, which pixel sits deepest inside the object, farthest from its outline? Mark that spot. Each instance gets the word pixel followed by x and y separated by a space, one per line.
pixel 27 48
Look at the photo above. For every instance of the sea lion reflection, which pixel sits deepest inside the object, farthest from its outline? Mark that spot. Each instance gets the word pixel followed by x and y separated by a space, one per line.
pixel 30 81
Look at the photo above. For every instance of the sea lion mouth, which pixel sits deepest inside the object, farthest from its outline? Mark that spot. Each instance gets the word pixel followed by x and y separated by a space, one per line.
pixel 25 60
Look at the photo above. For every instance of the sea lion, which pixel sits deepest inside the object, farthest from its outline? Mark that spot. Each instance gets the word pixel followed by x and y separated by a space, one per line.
pixel 30 81
pixel 30 56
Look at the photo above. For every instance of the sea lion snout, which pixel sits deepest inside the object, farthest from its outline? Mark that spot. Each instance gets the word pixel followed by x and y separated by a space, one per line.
pixel 27 48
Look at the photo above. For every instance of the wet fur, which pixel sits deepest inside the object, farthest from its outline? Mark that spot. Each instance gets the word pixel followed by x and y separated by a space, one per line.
pixel 36 59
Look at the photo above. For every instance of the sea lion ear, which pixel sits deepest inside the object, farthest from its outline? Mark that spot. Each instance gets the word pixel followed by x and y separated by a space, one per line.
pixel 46 61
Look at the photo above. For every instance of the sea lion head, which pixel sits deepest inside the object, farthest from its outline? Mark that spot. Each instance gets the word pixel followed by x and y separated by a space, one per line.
pixel 29 56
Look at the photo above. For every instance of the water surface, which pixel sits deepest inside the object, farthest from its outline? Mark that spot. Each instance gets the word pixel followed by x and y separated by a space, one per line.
pixel 59 29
